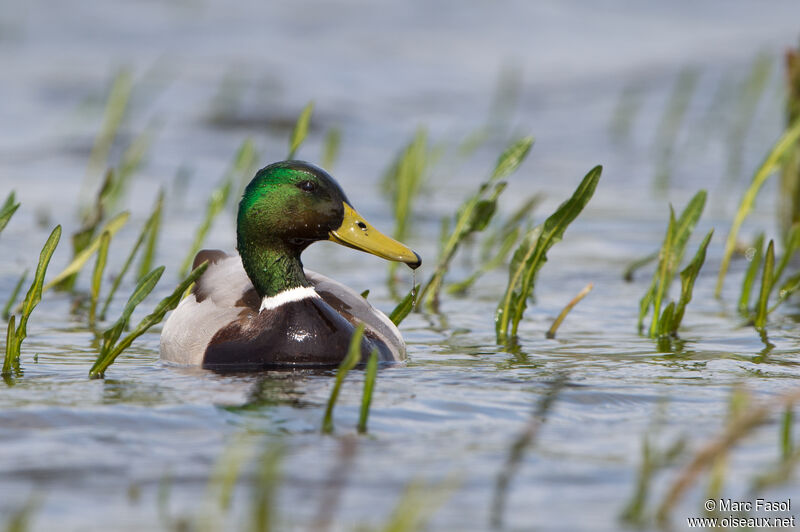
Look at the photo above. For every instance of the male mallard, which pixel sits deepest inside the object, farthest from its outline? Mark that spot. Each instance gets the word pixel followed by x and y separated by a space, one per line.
pixel 260 308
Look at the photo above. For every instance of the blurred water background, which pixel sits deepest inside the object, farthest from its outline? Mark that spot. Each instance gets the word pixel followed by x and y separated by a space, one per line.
pixel 593 83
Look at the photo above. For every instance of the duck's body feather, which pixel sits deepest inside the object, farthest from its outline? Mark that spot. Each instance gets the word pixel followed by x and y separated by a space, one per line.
pixel 223 323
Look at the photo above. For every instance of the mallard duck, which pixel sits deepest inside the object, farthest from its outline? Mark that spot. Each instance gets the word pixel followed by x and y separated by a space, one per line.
pixel 259 308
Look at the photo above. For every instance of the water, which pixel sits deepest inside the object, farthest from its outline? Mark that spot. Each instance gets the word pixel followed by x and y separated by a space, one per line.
pixel 135 451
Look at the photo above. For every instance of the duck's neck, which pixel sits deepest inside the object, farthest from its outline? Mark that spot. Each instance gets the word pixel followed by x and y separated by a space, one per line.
pixel 272 268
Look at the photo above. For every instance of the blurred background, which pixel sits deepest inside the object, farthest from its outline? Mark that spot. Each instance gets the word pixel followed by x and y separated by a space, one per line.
pixel 669 97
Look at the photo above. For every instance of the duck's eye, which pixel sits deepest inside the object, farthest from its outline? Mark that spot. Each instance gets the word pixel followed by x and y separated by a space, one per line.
pixel 308 186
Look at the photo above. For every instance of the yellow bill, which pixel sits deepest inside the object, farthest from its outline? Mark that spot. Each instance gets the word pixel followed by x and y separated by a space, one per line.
pixel 356 233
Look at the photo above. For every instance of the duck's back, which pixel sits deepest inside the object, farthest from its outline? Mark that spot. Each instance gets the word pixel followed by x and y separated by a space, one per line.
pixel 221 323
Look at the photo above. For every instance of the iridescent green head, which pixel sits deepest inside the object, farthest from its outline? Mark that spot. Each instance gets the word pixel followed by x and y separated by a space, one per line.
pixel 287 206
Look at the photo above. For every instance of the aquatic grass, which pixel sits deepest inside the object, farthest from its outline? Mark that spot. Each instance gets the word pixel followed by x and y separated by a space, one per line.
pixel 767 276
pixel 370 375
pixel 791 245
pixel 235 175
pixel 91 218
pixel 111 347
pixel 738 426
pixel 671 121
pixel 404 308
pixel 750 275
pixel 263 505
pixel 770 164
pixel 517 450
pixel 653 461
pixel 335 484
pixel 688 277
pixel 130 161
pixel 14 293
pixel 501 242
pixel 331 148
pixel 350 361
pixel 20 519
pixel 8 209
pixel 216 203
pixel 551 333
pixel 97 276
pixel 403 181
pixel 149 232
pixel 789 190
pixel 677 236
pixel 625 111
pixel 498 260
pixel 242 169
pixel 636 264
pixel 474 215
pixel 417 506
pixel 14 338
pixel 512 224
pixel 786 441
pixel 531 255
pixel 152 227
pixel 80 260
pixel 115 110
pixel 300 130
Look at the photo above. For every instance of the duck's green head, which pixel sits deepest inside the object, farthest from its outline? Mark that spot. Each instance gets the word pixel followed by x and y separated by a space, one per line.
pixel 290 204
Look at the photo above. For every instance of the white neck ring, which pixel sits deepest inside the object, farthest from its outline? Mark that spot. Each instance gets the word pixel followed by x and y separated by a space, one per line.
pixel 288 296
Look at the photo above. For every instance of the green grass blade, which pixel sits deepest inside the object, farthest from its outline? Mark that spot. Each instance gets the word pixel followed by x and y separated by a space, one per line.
pixel 532 254
pixel 634 265
pixel 468 220
pixel 646 302
pixel 664 275
pixel 678 232
pixel 7 210
pixel 77 264
pixel 787 444
pixel 142 290
pixel 750 90
pixel 510 159
pixel 145 232
pixel 108 356
pixel 11 360
pixel 300 130
pixel 790 246
pixel 750 275
pixel 242 169
pixel 97 276
pixel 665 321
pixel 760 321
pixel 685 226
pixel 264 496
pixel 404 180
pixel 404 307
pixel 789 287
pixel 34 295
pixel 350 361
pixel 492 263
pixel 551 333
pixel 688 277
pixel 131 161
pixel 219 197
pixel 116 106
pixel 152 228
pixel 786 142
pixel 510 225
pixel 333 142
pixel 14 293
pixel 370 375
